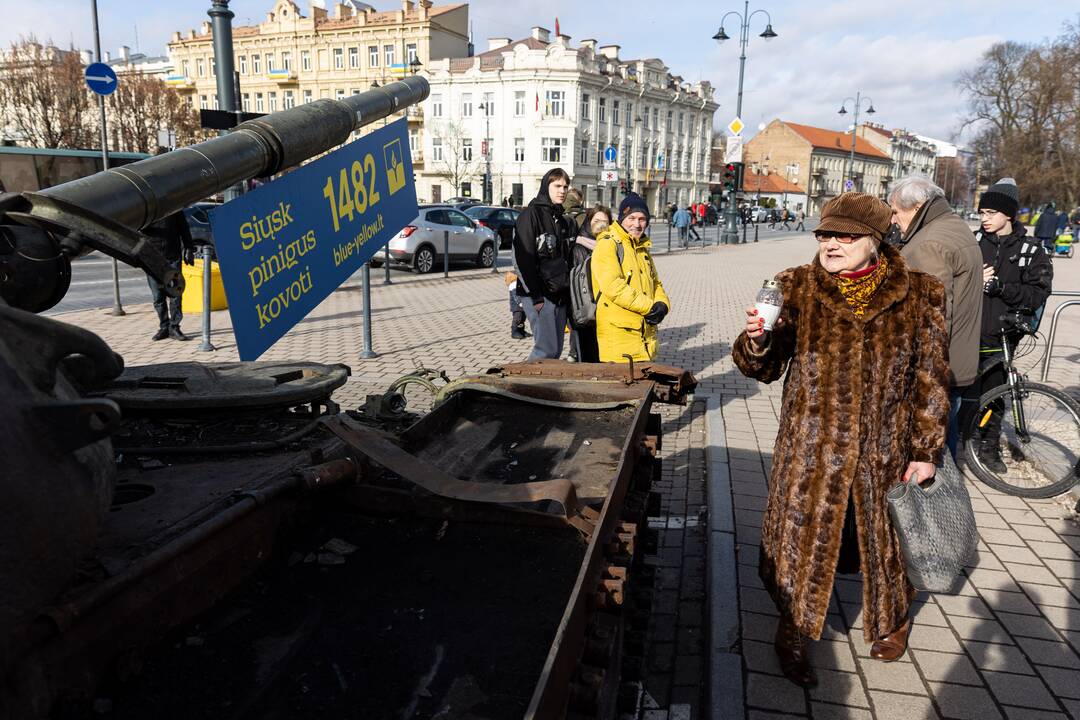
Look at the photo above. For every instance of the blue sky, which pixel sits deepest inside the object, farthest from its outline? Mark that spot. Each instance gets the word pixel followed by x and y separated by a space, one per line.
pixel 905 56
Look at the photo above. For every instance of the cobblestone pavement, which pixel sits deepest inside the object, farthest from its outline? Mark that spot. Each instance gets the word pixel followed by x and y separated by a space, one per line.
pixel 1005 647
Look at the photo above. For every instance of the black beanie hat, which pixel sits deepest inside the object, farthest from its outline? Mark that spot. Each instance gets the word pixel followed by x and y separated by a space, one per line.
pixel 633 203
pixel 1002 196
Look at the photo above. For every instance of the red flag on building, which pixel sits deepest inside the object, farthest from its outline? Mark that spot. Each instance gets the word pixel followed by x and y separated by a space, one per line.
pixel 557 33
pixel 537 102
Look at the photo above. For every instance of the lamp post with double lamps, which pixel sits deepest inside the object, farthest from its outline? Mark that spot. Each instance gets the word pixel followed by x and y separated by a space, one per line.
pixel 731 233
pixel 858 100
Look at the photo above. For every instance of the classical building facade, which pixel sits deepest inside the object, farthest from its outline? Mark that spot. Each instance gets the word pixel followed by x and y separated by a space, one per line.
pixel 294 58
pixel 531 105
pixel 910 153
pixel 818 161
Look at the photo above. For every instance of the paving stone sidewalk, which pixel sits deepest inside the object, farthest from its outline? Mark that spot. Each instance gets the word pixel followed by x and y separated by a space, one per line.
pixel 1006 647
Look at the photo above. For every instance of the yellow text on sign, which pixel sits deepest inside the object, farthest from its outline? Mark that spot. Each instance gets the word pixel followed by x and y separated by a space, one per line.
pixel 347 197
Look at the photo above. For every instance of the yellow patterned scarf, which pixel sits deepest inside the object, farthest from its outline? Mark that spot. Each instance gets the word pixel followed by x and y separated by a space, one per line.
pixel 857 288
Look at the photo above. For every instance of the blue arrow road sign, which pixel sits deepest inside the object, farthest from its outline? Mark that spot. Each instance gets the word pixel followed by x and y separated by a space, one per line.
pixel 610 153
pixel 101 78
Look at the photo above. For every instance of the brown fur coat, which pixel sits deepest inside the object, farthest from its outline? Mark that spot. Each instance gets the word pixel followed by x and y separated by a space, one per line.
pixel 863 397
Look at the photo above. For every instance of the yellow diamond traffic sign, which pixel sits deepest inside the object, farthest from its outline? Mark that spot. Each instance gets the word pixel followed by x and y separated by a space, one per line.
pixel 735 126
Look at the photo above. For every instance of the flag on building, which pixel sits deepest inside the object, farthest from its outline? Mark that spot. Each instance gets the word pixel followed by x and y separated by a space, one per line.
pixel 557 33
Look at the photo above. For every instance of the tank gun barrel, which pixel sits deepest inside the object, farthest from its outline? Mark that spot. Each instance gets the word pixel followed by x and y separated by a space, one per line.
pixel 138 194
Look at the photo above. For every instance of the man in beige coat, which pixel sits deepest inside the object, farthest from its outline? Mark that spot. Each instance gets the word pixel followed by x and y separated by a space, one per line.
pixel 939 242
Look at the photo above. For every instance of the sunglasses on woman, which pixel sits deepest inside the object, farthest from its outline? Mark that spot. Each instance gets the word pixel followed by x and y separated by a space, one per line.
pixel 843 239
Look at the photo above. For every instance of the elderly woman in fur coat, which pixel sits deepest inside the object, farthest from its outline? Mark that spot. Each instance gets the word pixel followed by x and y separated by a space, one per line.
pixel 862 341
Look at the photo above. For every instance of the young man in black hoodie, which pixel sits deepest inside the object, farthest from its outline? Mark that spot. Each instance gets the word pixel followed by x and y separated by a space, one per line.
pixel 542 241
pixel 1017 276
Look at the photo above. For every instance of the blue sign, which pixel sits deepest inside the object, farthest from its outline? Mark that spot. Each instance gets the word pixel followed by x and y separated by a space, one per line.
pixel 286 246
pixel 100 78
pixel 610 153
pixel 849 185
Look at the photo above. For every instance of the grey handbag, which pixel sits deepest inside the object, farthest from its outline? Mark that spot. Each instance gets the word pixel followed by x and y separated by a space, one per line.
pixel 936 526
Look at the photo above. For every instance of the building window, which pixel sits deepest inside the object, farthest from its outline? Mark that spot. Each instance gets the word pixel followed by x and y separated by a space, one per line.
pixel 410 53
pixel 552 150
pixel 645 118
pixel 185 70
pixel 307 96
pixel 670 114
pixel 269 62
pixel 388 52
pixel 289 99
pixel 629 114
pixel 519 103
pixel 599 152
pixel 680 123
pixel 256 64
pixel 203 103
pixel 243 65
pixel 340 95
pixel 354 91
pixel 213 67
pixel 339 59
pixel 414 139
pixel 466 149
pixel 519 149
pixel 615 112
pixel 436 106
pixel 354 57
pixel 216 102
pixel 436 149
pixel 601 112
pixel 585 107
pixel 466 105
pixel 556 103
pixel 273 102
pixel 373 56
pixel 305 59
pixel 286 61
pixel 656 118
pixel 200 67
pixel 489 104
pixel 245 102
pixel 259 107
pixel 583 156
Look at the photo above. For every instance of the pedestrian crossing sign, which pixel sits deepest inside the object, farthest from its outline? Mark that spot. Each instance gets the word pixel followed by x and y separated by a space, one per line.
pixel 395 167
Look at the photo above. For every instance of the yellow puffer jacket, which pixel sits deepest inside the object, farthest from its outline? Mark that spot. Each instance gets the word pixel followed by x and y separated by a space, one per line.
pixel 625 294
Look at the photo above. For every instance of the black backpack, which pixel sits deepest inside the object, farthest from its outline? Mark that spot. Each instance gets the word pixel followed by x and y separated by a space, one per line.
pixel 582 298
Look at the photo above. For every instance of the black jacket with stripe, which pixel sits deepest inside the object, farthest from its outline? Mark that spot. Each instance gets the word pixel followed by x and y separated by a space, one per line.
pixel 1023 266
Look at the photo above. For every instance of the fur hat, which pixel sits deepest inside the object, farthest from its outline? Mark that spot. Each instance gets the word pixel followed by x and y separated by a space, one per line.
pixel 1002 196
pixel 633 203
pixel 855 213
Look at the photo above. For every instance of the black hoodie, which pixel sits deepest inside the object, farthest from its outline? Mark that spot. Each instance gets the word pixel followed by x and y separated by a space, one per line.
pixel 1026 274
pixel 541 216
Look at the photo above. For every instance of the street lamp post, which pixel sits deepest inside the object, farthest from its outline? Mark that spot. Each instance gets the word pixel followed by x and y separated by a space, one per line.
pixel 488 183
pixel 731 233
pixel 858 99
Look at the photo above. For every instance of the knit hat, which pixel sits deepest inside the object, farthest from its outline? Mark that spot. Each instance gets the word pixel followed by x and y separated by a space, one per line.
pixel 633 203
pixel 1002 196
pixel 855 213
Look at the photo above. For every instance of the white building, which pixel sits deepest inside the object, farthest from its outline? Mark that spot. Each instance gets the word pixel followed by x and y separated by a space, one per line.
pixel 542 103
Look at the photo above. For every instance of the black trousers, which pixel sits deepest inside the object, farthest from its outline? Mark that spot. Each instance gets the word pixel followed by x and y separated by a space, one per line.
pixel 167 308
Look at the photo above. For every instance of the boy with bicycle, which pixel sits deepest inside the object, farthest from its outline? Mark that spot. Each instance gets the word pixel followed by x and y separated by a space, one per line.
pixel 1017 277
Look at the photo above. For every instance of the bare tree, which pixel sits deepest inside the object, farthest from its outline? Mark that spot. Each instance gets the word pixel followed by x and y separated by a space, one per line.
pixel 144 105
pixel 460 159
pixel 42 95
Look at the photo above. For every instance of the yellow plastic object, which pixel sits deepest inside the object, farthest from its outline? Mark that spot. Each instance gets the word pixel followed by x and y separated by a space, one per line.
pixel 192 302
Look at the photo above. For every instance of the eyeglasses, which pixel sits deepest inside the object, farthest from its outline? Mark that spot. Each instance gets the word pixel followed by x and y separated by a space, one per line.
pixel 988 213
pixel 843 239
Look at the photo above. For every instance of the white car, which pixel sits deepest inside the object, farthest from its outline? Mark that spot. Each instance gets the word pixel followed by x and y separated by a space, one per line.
pixel 420 243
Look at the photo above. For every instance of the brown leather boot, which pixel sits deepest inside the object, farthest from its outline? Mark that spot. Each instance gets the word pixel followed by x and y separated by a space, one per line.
pixel 892 646
pixel 792 650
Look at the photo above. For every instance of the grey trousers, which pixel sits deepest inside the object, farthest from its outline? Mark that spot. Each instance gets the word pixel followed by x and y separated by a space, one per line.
pixel 548 329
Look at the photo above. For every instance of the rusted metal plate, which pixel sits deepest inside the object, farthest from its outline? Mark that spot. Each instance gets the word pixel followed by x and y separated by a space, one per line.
pixel 672 384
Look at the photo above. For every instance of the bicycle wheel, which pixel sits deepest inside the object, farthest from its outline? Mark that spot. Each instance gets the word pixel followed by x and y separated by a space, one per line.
pixel 1042 462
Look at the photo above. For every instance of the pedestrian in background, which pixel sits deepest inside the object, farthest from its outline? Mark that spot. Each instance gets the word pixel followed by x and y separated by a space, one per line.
pixel 1017 277
pixel 800 217
pixel 596 221
pixel 631 299
pixel 681 220
pixel 936 241
pixel 1046 227
pixel 574 209
pixel 517 311
pixel 542 239
pixel 861 344
pixel 172 237
pixel 691 226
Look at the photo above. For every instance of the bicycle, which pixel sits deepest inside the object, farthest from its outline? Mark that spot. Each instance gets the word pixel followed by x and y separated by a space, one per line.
pixel 1037 427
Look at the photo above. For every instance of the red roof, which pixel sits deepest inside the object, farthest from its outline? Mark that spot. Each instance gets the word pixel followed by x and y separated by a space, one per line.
pixel 770 183
pixel 833 140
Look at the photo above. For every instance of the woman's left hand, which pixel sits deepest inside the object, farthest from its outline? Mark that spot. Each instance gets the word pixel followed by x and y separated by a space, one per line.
pixel 925 471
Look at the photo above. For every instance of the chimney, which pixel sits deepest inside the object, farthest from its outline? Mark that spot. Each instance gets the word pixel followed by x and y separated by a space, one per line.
pixel 108 56
pixel 406 6
pixel 341 11
pixel 425 8
pixel 125 53
pixel 206 27
pixel 317 12
pixel 496 43
pixel 541 34
pixel 86 57
pixel 611 52
pixel 563 40
pixel 175 37
pixel 191 34
pixel 589 44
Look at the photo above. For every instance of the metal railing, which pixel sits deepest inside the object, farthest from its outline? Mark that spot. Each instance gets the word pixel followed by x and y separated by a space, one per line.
pixel 1053 328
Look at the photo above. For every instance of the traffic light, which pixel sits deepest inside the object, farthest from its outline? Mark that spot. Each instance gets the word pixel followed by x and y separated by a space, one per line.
pixel 733 173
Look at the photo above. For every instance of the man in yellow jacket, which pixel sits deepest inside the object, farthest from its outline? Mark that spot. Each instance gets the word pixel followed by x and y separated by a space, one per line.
pixel 631 301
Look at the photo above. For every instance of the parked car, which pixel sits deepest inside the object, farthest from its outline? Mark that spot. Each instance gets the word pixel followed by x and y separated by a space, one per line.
pixel 499 219
pixel 420 243
pixel 462 203
pixel 198 221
